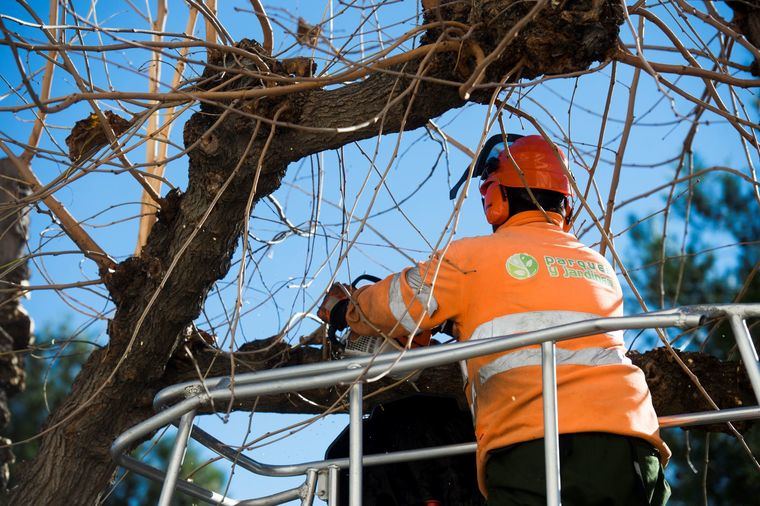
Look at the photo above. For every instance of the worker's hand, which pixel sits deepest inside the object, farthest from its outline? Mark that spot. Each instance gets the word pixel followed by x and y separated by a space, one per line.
pixel 338 315
pixel 422 338
pixel 334 306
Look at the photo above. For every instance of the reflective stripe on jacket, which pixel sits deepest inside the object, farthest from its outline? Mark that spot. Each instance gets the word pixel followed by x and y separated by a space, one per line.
pixel 526 276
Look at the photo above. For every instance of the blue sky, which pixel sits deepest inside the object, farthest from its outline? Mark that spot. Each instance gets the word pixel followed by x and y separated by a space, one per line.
pixel 291 269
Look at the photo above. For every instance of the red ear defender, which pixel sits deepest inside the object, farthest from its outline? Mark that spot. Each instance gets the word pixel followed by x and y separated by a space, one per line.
pixel 495 203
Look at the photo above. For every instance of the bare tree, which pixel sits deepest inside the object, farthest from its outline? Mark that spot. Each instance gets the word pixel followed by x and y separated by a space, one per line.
pixel 255 112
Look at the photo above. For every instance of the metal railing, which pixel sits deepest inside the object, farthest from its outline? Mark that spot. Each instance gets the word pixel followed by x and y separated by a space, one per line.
pixel 182 401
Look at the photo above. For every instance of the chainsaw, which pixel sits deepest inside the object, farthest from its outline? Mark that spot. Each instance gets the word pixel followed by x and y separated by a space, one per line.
pixel 350 343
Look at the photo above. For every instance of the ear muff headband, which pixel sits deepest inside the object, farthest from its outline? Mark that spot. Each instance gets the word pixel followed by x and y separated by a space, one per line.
pixel 567 225
pixel 491 149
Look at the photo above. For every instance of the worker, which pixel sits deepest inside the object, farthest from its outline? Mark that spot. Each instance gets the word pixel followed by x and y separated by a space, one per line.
pixel 530 274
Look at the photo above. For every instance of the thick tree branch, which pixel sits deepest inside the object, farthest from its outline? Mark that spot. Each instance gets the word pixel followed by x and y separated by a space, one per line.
pixel 70 226
pixel 672 391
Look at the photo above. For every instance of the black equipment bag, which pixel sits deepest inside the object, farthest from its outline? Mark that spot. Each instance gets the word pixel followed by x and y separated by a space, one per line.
pixel 415 422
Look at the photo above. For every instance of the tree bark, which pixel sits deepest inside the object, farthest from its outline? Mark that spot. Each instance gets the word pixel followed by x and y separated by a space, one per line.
pixel 158 294
pixel 15 324
pixel 747 22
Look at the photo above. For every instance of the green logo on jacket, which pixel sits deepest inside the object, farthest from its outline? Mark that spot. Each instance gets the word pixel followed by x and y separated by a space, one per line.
pixel 522 266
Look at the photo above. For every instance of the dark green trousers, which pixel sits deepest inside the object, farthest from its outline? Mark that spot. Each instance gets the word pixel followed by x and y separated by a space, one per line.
pixel 596 469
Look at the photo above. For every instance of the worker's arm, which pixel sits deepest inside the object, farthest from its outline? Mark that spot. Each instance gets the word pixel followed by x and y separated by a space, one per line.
pixel 418 298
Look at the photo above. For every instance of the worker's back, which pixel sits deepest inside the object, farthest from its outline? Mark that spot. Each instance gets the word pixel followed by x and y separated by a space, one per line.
pixel 530 275
pixel 529 265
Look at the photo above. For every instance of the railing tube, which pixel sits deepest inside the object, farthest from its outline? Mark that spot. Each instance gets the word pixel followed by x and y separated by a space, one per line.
pixel 355 448
pixel 551 430
pixel 456 352
pixel 747 351
pixel 274 499
pixel 308 489
pixel 333 477
pixel 190 489
pixel 176 457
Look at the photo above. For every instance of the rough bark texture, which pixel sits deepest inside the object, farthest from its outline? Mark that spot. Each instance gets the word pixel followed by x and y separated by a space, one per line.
pixel 15 324
pixel 747 22
pixel 116 385
pixel 674 393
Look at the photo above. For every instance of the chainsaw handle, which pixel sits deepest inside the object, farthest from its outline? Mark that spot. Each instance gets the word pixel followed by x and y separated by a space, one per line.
pixel 364 277
pixel 327 306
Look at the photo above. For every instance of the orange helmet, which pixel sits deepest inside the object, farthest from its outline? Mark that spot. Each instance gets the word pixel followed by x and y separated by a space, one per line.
pixel 543 166
pixel 528 161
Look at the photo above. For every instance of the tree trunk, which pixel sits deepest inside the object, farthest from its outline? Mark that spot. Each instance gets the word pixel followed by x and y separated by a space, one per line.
pixel 158 294
pixel 15 324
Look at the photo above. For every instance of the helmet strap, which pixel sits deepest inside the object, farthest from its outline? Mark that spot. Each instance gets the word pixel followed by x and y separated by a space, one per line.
pixel 567 225
pixel 507 211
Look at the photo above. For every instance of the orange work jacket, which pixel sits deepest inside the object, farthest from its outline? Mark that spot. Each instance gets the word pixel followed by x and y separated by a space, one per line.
pixel 526 276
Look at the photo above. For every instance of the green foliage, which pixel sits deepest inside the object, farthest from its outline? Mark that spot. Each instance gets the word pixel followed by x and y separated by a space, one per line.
pixel 50 371
pixel 721 212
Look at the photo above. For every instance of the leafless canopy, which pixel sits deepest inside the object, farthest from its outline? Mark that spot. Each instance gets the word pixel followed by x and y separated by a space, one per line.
pixel 320 144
